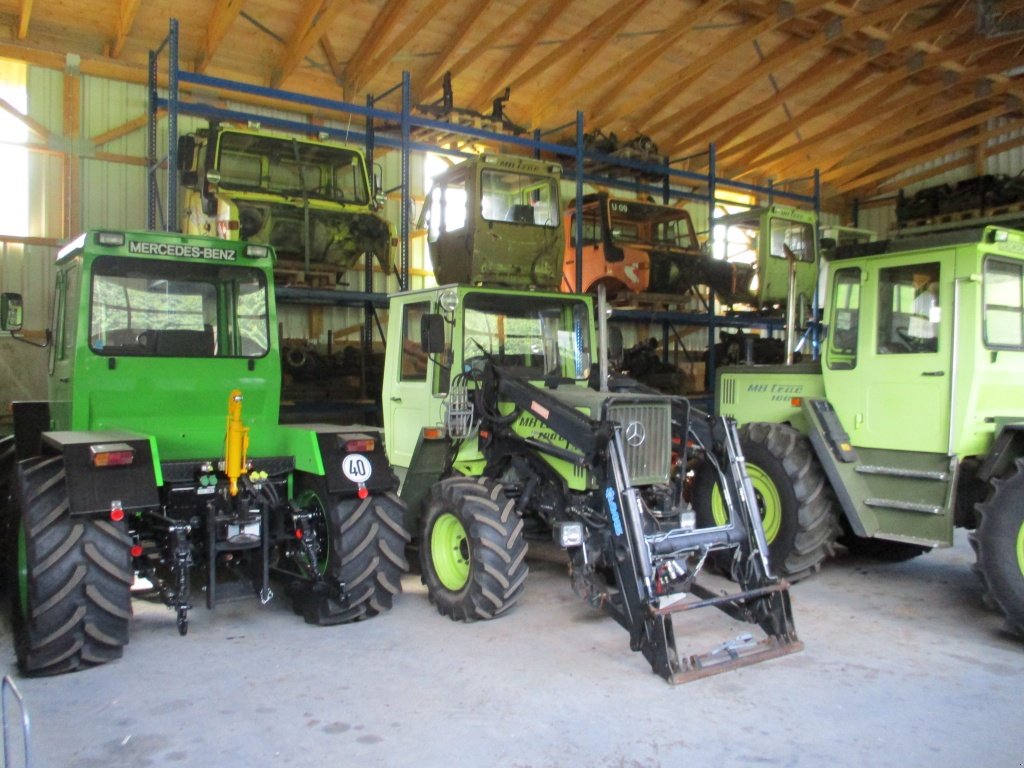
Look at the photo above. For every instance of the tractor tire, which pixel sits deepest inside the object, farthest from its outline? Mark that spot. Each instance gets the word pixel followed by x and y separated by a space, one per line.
pixel 365 552
pixel 998 543
pixel 472 549
pixel 795 500
pixel 8 524
pixel 72 607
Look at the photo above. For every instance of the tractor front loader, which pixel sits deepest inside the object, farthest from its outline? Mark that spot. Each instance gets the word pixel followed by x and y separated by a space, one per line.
pixel 519 438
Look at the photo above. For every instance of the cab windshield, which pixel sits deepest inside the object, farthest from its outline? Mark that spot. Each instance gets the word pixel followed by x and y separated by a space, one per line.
pixel 536 337
pixel 169 309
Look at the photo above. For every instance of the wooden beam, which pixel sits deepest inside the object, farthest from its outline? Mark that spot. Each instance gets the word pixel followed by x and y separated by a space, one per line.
pixel 427 12
pixel 125 19
pixel 588 53
pixel 938 170
pixel 486 92
pixel 34 126
pixel 333 62
pixel 942 148
pixel 679 81
pixel 430 81
pixel 383 24
pixel 615 80
pixel 317 16
pixel 786 53
pixel 899 110
pixel 224 14
pixel 847 172
pixel 122 130
pixel 841 99
pixel 23 18
pixel 596 27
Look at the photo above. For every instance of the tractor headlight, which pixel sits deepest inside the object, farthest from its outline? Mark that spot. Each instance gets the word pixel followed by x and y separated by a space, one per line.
pixel 448 300
pixel 569 534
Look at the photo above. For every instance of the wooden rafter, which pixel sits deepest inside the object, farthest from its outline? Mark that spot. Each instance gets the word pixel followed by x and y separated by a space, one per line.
pixel 901 109
pixel 333 63
pixel 936 170
pixel 125 19
pixel 786 54
pixel 430 81
pixel 842 100
pixel 536 32
pixel 358 63
pixel 910 160
pixel 316 17
pixel 824 70
pixel 616 79
pixel 23 18
pixel 597 27
pixel 679 81
pixel 896 148
pixel 34 126
pixel 224 14
pixel 405 35
pixel 588 53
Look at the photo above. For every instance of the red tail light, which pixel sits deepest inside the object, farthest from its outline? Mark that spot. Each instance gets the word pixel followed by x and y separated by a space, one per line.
pixel 360 445
pixel 112 455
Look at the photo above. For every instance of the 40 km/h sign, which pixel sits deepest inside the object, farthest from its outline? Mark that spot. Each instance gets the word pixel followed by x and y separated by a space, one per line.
pixel 357 468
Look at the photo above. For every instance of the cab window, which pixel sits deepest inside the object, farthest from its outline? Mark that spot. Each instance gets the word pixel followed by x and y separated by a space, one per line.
pixel 908 309
pixel 1003 323
pixel 842 344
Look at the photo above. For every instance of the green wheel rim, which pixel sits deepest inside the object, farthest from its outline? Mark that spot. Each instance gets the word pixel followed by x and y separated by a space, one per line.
pixel 310 500
pixel 768 502
pixel 1020 549
pixel 449 552
pixel 22 566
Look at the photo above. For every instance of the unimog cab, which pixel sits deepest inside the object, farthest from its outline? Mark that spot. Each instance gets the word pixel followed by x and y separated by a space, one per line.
pixel 638 246
pixel 495 219
pixel 312 200
pixel 158 454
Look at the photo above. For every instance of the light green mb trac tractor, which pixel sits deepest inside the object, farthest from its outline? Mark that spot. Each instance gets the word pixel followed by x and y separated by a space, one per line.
pixel 143 462
pixel 500 416
pixel 913 421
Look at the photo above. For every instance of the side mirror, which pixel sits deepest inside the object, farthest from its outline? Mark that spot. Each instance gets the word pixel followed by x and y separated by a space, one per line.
pixel 11 312
pixel 432 334
pixel 186 152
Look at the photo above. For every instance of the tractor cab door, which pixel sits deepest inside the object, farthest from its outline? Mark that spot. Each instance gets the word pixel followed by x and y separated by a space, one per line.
pixel 412 389
pixel 888 356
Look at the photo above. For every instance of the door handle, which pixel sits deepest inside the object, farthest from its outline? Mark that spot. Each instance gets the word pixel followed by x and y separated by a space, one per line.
pixel 933 373
pixel 395 399
pixel 65 379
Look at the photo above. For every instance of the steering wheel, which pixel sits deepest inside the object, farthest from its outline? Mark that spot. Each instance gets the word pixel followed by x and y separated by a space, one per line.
pixel 916 343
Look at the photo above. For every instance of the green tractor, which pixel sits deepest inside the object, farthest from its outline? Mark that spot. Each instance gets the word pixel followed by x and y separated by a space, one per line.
pixel 143 463
pixel 503 422
pixel 911 424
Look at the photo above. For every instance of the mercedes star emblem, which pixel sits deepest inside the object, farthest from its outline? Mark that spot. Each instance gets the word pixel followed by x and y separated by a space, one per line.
pixel 635 434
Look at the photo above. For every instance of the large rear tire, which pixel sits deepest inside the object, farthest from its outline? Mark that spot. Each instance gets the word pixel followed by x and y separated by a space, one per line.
pixel 8 522
pixel 999 544
pixel 793 496
pixel 472 549
pixel 365 551
pixel 72 607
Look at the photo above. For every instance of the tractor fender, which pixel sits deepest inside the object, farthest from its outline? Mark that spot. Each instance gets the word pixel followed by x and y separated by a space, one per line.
pixel 354 457
pixel 1007 448
pixel 95 488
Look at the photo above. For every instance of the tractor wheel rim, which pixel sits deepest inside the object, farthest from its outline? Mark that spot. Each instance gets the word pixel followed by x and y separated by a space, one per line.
pixel 22 566
pixel 768 502
pixel 449 552
pixel 1020 549
pixel 310 500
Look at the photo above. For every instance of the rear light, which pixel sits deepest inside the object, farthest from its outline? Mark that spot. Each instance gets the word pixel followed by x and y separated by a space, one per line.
pixel 433 433
pixel 116 511
pixel 111 455
pixel 363 492
pixel 360 445
pixel 136 550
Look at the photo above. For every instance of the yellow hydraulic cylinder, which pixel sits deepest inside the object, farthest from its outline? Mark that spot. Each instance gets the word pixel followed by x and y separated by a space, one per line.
pixel 236 444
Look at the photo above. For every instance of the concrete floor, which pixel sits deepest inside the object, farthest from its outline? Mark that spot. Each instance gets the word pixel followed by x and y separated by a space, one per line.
pixel 903 667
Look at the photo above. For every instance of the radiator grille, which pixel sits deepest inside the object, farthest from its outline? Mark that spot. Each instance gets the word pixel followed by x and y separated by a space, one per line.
pixel 650 461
